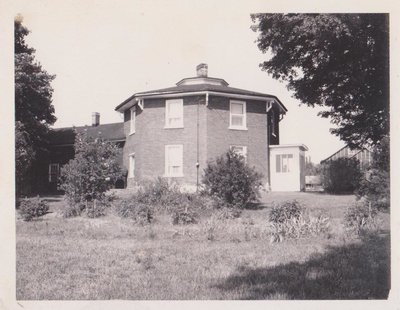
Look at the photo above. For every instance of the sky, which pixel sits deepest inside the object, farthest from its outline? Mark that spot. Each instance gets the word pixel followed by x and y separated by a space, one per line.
pixel 102 53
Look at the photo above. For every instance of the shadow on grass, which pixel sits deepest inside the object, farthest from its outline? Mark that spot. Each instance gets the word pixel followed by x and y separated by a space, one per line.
pixel 356 271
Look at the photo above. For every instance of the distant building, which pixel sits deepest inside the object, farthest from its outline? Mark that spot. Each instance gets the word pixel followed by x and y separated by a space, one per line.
pixel 364 156
pixel 61 151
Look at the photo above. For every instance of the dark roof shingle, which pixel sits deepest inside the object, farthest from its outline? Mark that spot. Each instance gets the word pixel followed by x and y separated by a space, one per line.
pixel 66 135
pixel 196 88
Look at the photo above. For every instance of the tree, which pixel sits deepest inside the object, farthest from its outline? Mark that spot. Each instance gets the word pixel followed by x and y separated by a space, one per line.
pixel 342 175
pixel 312 169
pixel 231 180
pixel 33 109
pixel 24 155
pixel 91 173
pixel 33 91
pixel 339 61
pixel 375 186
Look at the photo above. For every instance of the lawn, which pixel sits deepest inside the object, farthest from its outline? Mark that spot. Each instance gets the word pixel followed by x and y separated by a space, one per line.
pixel 111 258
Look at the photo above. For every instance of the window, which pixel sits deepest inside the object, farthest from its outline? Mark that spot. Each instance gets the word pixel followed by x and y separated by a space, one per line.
pixel 174 113
pixel 273 126
pixel 132 129
pixel 240 150
pixel 284 162
pixel 174 160
pixel 237 119
pixel 54 171
pixel 131 171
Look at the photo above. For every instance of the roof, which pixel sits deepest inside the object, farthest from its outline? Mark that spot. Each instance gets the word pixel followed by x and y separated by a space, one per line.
pixel 66 135
pixel 200 88
pixel 279 146
pixel 346 146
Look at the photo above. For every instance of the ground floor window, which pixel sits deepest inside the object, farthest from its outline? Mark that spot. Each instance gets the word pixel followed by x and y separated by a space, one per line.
pixel 240 150
pixel 54 172
pixel 284 162
pixel 131 170
pixel 174 160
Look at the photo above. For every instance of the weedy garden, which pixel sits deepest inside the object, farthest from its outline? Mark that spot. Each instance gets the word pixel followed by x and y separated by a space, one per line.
pixel 230 240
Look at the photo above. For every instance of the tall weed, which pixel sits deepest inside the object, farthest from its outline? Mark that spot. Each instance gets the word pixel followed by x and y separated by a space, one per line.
pixel 289 220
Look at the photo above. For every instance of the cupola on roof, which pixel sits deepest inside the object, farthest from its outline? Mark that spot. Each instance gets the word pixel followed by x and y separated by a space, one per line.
pixel 202 78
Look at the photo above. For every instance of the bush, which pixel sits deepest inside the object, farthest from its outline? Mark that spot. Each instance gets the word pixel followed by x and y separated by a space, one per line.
pixel 342 175
pixel 93 171
pixel 285 211
pixel 231 180
pixel 158 192
pixel 228 213
pixel 375 186
pixel 290 221
pixel 183 215
pixel 135 210
pixel 72 210
pixel 90 208
pixel 360 217
pixel 160 195
pixel 32 208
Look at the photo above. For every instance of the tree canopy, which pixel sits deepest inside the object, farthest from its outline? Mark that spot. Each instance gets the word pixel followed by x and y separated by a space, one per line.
pixel 33 109
pixel 33 91
pixel 338 61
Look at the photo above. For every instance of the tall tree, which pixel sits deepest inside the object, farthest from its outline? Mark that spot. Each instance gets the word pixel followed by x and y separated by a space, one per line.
pixel 33 97
pixel 339 61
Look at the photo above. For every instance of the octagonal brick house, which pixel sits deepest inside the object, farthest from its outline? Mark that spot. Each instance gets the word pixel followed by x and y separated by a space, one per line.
pixel 173 132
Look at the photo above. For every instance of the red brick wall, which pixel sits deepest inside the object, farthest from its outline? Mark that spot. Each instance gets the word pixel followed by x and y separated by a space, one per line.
pixel 220 137
pixel 148 143
pixel 210 139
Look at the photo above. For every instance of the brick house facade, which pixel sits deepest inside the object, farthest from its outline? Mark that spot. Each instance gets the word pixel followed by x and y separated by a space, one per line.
pixel 173 133
pixel 208 118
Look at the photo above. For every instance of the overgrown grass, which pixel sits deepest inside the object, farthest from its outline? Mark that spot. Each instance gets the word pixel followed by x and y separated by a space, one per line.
pixel 216 258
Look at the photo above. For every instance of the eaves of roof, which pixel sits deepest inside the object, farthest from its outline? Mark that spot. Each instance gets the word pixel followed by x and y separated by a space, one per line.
pixel 200 88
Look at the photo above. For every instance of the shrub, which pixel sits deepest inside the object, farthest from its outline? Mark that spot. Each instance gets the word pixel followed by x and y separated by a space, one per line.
pixel 375 186
pixel 159 192
pixel 90 208
pixel 141 213
pixel 32 208
pixel 290 221
pixel 72 210
pixel 183 215
pixel 231 180
pixel 160 195
pixel 342 175
pixel 182 210
pixel 285 211
pixel 228 213
pixel 90 174
pixel 360 217
pixel 95 208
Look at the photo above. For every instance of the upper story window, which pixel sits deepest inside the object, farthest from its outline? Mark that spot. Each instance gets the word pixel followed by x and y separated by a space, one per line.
pixel 174 113
pixel 237 115
pixel 240 150
pixel 132 123
pixel 284 162
pixel 174 160
pixel 273 123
